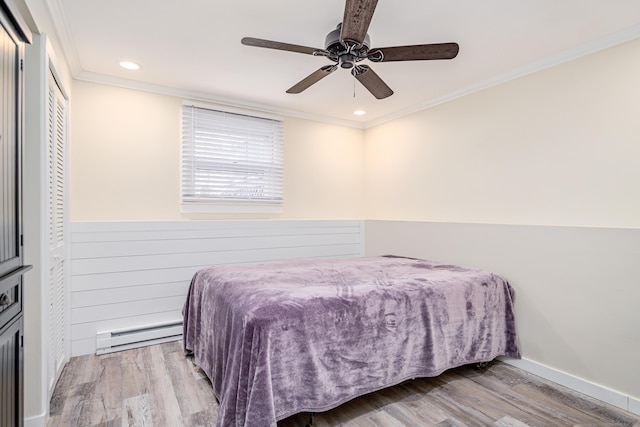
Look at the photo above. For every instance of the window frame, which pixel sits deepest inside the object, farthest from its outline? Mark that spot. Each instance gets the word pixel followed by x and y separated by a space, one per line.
pixel 223 205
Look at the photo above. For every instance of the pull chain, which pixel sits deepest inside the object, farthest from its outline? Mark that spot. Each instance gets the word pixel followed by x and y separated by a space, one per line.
pixel 354 87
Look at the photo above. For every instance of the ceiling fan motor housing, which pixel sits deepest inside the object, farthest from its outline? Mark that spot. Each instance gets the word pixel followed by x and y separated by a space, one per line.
pixel 348 53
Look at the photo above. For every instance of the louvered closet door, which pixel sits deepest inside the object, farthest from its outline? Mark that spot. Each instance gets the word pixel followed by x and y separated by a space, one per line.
pixel 56 227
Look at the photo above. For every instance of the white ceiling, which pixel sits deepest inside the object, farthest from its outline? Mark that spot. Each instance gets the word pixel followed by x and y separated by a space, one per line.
pixel 193 47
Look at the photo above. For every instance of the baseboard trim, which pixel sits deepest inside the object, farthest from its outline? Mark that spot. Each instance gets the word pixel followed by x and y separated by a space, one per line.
pixel 597 391
pixel 36 421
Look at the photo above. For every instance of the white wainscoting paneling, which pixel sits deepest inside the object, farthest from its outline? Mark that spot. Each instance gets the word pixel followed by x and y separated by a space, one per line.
pixel 128 274
pixel 634 405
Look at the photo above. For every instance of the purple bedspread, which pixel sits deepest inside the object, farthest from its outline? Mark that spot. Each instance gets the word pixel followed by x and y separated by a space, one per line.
pixel 307 335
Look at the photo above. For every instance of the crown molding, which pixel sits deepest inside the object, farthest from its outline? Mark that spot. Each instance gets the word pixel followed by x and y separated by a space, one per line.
pixel 209 98
pixel 64 35
pixel 568 55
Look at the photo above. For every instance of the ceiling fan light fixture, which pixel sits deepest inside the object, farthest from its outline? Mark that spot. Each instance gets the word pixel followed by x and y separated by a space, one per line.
pixel 129 65
pixel 347 60
pixel 359 112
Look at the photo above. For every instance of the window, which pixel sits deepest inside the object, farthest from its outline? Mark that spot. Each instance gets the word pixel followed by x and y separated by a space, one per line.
pixel 231 162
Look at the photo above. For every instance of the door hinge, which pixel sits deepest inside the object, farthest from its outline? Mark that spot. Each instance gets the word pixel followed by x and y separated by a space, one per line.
pixel 21 341
pixel 21 64
pixel 22 240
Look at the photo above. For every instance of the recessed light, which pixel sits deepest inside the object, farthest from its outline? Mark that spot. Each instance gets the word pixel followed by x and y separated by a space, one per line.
pixel 129 65
pixel 359 112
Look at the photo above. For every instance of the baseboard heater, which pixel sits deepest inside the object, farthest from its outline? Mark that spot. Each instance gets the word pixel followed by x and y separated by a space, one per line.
pixel 140 336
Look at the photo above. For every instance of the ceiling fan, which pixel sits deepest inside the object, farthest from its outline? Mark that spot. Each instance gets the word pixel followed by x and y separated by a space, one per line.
pixel 349 44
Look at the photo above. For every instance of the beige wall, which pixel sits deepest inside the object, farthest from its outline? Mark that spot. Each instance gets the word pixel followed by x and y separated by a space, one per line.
pixel 559 147
pixel 125 161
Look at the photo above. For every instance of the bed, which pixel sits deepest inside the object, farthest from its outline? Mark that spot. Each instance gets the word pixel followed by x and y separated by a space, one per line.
pixel 307 335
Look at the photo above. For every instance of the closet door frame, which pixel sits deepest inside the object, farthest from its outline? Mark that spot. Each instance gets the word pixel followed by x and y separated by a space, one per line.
pixel 56 254
pixel 43 61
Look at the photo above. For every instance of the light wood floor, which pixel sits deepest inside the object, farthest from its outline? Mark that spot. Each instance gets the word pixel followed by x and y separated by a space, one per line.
pixel 159 386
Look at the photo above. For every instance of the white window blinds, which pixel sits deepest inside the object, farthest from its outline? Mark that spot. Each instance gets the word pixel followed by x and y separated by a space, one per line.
pixel 230 159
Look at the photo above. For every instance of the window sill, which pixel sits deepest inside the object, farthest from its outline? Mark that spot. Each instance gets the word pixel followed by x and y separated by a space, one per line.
pixel 228 208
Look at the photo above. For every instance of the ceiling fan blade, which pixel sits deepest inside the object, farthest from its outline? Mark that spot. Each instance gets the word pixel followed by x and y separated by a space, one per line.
pixel 371 81
pixel 419 52
pixel 312 78
pixel 250 41
pixel 357 17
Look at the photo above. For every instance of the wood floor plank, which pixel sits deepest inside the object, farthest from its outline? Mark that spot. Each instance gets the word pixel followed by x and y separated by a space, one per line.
pixel 107 398
pixel 90 370
pixel 172 347
pixel 134 374
pixel 534 411
pixel 190 398
pixel 419 404
pixel 196 371
pixel 352 413
pixel 471 394
pixel 508 421
pixel 201 419
pixel 78 405
pixel 158 386
pixel 465 414
pixel 382 419
pixel 207 394
pixel 451 422
pixel 136 411
pixel 401 403
pixel 561 402
pixel 165 407
pixel 62 389
pixel 116 422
